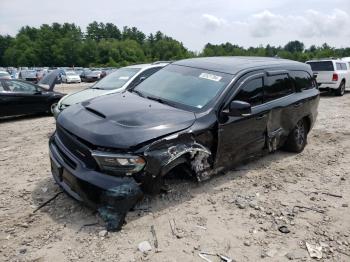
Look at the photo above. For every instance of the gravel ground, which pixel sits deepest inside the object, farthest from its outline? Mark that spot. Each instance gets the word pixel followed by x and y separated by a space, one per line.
pixel 240 214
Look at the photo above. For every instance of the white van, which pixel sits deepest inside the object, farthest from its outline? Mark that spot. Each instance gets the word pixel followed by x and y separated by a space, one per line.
pixel 331 74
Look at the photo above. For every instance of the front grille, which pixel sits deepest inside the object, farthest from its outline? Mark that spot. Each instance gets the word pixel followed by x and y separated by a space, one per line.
pixel 77 147
pixel 66 158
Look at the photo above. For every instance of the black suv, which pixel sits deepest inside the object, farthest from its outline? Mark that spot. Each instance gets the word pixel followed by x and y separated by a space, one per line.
pixel 203 115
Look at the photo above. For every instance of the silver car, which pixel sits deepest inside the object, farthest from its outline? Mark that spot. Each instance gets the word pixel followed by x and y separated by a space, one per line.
pixel 118 81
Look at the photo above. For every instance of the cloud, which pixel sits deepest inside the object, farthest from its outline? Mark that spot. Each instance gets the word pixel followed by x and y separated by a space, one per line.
pixel 311 24
pixel 212 22
pixel 265 24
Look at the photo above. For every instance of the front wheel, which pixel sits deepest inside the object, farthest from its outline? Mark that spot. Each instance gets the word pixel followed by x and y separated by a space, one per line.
pixel 297 138
pixel 52 107
pixel 341 89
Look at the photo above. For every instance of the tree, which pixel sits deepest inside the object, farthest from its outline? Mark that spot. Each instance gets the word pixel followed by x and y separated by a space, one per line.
pixel 294 47
pixel 5 43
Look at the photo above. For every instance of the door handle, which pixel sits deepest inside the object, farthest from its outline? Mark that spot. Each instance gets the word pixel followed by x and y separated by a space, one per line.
pixel 259 117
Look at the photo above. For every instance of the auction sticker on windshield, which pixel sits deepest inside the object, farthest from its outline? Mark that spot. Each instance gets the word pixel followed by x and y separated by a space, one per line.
pixel 210 77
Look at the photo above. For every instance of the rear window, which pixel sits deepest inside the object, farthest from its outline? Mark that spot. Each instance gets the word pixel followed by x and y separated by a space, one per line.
pixel 302 80
pixel 321 66
pixel 277 86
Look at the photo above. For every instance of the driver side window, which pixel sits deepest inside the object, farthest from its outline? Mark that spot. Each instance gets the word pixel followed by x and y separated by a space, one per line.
pixel 20 87
pixel 251 92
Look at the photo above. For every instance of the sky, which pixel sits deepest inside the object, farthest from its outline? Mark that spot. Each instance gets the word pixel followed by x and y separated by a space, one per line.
pixel 197 22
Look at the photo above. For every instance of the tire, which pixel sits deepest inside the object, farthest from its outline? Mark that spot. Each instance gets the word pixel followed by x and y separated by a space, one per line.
pixel 341 89
pixel 297 138
pixel 52 107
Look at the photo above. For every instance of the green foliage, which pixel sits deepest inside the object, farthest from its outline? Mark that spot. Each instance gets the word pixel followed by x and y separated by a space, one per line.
pixel 106 45
pixel 101 45
pixel 294 50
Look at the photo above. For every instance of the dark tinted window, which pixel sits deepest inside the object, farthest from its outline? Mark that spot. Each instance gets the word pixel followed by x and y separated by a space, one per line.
pixel 277 86
pixel 251 92
pixel 302 80
pixel 321 66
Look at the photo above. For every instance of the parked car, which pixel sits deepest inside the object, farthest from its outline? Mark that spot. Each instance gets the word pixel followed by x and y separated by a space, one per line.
pixel 346 59
pixel 90 75
pixel 28 75
pixel 115 82
pixel 331 75
pixel 70 77
pixel 201 115
pixel 19 97
pixel 4 75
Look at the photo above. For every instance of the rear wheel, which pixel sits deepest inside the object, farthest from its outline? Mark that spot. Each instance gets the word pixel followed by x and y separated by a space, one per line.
pixel 341 89
pixel 297 138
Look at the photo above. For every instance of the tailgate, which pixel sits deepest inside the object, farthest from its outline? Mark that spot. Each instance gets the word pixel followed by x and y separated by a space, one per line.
pixel 324 76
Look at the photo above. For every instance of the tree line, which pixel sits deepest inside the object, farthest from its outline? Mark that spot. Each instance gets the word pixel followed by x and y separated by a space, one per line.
pixel 104 44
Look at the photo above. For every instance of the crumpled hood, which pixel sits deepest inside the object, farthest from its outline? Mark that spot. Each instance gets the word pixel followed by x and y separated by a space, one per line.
pixel 82 96
pixel 123 120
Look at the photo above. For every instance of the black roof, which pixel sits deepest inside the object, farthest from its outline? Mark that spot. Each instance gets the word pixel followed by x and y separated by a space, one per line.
pixel 234 64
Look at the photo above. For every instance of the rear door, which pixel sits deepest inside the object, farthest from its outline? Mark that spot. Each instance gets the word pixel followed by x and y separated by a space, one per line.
pixel 279 99
pixel 241 137
pixel 323 71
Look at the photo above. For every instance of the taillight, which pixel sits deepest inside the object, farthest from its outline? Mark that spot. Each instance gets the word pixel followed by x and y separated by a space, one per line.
pixel 335 77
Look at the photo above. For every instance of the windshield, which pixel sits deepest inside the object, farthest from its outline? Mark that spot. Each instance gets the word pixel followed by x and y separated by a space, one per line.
pixel 184 85
pixel 321 66
pixel 117 79
pixel 4 74
pixel 71 73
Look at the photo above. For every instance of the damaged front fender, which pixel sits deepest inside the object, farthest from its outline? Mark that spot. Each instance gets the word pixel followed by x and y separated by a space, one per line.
pixel 169 152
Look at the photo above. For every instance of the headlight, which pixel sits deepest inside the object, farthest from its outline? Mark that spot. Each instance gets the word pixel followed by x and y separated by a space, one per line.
pixel 119 164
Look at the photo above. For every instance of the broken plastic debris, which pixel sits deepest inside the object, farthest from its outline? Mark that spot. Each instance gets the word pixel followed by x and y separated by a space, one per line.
pixel 315 251
pixel 144 246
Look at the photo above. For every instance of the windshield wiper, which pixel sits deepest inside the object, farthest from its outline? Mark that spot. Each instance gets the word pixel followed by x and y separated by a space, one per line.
pixel 158 99
pixel 138 92
pixel 99 88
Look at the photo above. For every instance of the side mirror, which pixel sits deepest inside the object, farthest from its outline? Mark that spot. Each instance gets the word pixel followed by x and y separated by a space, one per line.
pixel 238 108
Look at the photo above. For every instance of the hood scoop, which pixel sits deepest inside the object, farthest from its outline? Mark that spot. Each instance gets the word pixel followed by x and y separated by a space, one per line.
pixel 95 112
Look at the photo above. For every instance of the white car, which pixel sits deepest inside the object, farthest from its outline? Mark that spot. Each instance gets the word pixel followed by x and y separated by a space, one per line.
pixel 70 77
pixel 4 75
pixel 118 81
pixel 331 75
pixel 346 59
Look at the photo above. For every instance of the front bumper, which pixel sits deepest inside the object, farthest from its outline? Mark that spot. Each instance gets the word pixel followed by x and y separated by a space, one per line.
pixel 112 196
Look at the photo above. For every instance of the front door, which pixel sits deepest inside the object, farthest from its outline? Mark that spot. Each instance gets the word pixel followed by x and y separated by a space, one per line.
pixel 243 136
pixel 25 97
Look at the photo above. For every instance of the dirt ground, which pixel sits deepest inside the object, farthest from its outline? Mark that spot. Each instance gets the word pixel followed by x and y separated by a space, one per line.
pixel 238 214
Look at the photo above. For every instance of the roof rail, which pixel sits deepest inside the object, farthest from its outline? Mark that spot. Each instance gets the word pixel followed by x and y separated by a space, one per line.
pixel 160 62
pixel 328 58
